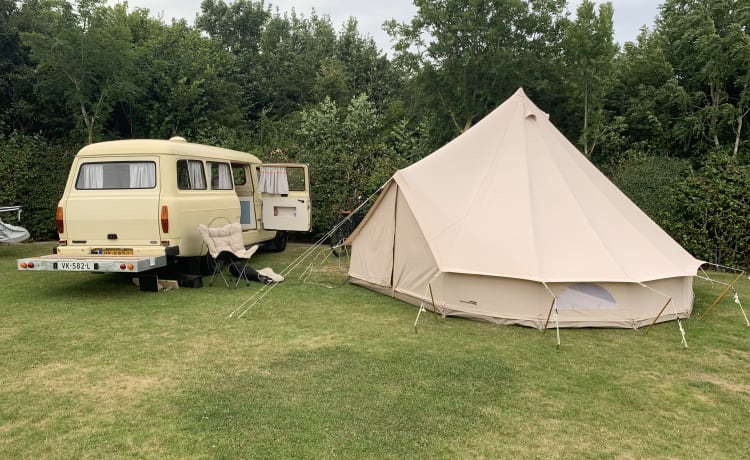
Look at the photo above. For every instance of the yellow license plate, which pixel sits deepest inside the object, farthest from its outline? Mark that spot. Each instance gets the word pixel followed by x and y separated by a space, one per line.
pixel 117 251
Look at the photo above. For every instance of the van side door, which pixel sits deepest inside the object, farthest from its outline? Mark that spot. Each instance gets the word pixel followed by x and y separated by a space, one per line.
pixel 285 189
pixel 243 184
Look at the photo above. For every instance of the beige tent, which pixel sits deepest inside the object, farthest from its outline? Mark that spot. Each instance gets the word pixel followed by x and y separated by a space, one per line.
pixel 509 220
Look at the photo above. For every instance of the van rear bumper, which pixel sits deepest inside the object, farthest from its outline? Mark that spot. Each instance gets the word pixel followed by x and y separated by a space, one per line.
pixel 97 251
pixel 92 263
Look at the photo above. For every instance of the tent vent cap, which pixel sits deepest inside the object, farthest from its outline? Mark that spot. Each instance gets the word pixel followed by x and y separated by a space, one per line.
pixel 177 139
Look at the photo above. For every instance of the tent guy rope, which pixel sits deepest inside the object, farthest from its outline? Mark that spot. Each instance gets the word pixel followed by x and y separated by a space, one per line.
pixel 729 286
pixel 261 293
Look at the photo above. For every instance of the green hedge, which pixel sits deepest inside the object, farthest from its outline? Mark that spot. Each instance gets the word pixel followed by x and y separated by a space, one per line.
pixel 715 212
pixel 33 176
pixel 706 209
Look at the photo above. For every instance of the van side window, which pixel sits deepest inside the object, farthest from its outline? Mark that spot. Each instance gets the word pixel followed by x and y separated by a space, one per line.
pixel 221 175
pixel 281 179
pixel 116 175
pixel 238 173
pixel 296 178
pixel 190 175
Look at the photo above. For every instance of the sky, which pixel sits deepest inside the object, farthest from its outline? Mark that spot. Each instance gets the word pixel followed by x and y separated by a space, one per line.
pixel 629 16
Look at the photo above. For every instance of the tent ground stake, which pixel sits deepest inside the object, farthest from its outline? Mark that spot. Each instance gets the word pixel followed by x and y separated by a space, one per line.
pixel 549 314
pixel 721 296
pixel 658 316
pixel 432 298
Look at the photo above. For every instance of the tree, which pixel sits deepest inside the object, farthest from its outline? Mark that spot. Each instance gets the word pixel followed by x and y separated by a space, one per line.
pixel 739 53
pixel 707 44
pixel 350 151
pixel 189 84
pixel 237 26
pixel 11 57
pixel 589 52
pixel 85 55
pixel 479 52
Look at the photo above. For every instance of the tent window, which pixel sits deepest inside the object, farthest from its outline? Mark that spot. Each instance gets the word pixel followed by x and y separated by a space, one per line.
pixel 586 296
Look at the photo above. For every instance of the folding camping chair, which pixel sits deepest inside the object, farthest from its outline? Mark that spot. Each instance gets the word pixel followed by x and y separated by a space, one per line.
pixel 225 247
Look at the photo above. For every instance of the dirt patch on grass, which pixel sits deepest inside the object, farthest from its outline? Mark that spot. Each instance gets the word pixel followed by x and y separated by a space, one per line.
pixel 742 389
pixel 100 384
pixel 309 342
pixel 8 333
pixel 127 386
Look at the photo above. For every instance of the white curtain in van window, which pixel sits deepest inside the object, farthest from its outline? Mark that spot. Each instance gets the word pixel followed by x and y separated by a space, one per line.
pixel 225 177
pixel 142 175
pixel 91 176
pixel 273 180
pixel 197 179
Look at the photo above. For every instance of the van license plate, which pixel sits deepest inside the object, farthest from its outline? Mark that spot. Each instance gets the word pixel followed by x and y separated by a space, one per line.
pixel 76 266
pixel 117 251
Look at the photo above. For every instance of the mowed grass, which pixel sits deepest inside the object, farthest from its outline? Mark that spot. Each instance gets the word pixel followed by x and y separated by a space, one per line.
pixel 94 368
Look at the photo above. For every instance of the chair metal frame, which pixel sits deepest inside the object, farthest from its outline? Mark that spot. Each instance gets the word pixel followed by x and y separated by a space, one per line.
pixel 224 247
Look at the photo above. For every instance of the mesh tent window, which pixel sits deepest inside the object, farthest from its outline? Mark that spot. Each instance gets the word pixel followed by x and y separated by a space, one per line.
pixel 586 296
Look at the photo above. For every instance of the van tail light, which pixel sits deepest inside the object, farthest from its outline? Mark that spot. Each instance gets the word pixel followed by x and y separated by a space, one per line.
pixel 59 220
pixel 164 219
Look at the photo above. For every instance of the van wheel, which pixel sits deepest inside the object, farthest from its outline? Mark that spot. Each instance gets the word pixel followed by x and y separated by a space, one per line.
pixel 277 244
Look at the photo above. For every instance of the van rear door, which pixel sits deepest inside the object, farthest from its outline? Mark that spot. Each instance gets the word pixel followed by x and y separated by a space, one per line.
pixel 114 204
pixel 286 196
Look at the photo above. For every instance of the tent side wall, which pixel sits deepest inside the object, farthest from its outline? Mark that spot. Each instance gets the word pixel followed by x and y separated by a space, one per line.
pixel 414 266
pixel 528 303
pixel 390 253
pixel 372 246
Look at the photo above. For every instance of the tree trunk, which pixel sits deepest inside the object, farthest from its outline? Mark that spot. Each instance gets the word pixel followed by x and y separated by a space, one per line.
pixel 89 122
pixel 586 121
pixel 738 135
pixel 715 102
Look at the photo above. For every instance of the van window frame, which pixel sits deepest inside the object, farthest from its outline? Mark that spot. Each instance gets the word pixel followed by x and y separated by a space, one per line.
pixel 216 179
pixel 85 165
pixel 190 177
pixel 243 171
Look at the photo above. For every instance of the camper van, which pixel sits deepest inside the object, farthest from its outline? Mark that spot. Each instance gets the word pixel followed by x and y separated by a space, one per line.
pixel 134 205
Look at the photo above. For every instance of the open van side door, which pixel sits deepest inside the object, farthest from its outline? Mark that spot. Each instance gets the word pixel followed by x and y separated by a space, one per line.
pixel 286 196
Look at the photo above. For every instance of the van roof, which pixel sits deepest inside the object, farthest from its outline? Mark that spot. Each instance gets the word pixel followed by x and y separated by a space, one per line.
pixel 174 146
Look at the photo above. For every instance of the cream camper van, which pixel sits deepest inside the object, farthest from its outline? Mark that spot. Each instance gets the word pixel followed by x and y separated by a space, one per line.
pixel 135 205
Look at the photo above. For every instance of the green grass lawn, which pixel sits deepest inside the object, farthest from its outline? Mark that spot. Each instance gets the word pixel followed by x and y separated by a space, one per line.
pixel 93 368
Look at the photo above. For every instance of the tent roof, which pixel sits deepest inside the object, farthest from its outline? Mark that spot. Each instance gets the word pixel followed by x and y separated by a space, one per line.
pixel 513 197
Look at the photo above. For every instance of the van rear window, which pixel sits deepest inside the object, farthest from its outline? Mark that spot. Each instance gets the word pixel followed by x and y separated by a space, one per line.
pixel 116 175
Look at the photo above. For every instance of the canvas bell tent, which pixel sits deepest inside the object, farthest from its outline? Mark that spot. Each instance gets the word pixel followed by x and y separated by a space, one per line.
pixel 510 222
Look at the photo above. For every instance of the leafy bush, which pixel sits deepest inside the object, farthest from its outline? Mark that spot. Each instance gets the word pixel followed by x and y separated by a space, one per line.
pixel 654 184
pixel 705 210
pixel 715 205
pixel 34 177
pixel 351 153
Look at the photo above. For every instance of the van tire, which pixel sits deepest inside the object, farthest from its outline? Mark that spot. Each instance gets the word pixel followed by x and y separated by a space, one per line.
pixel 277 244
